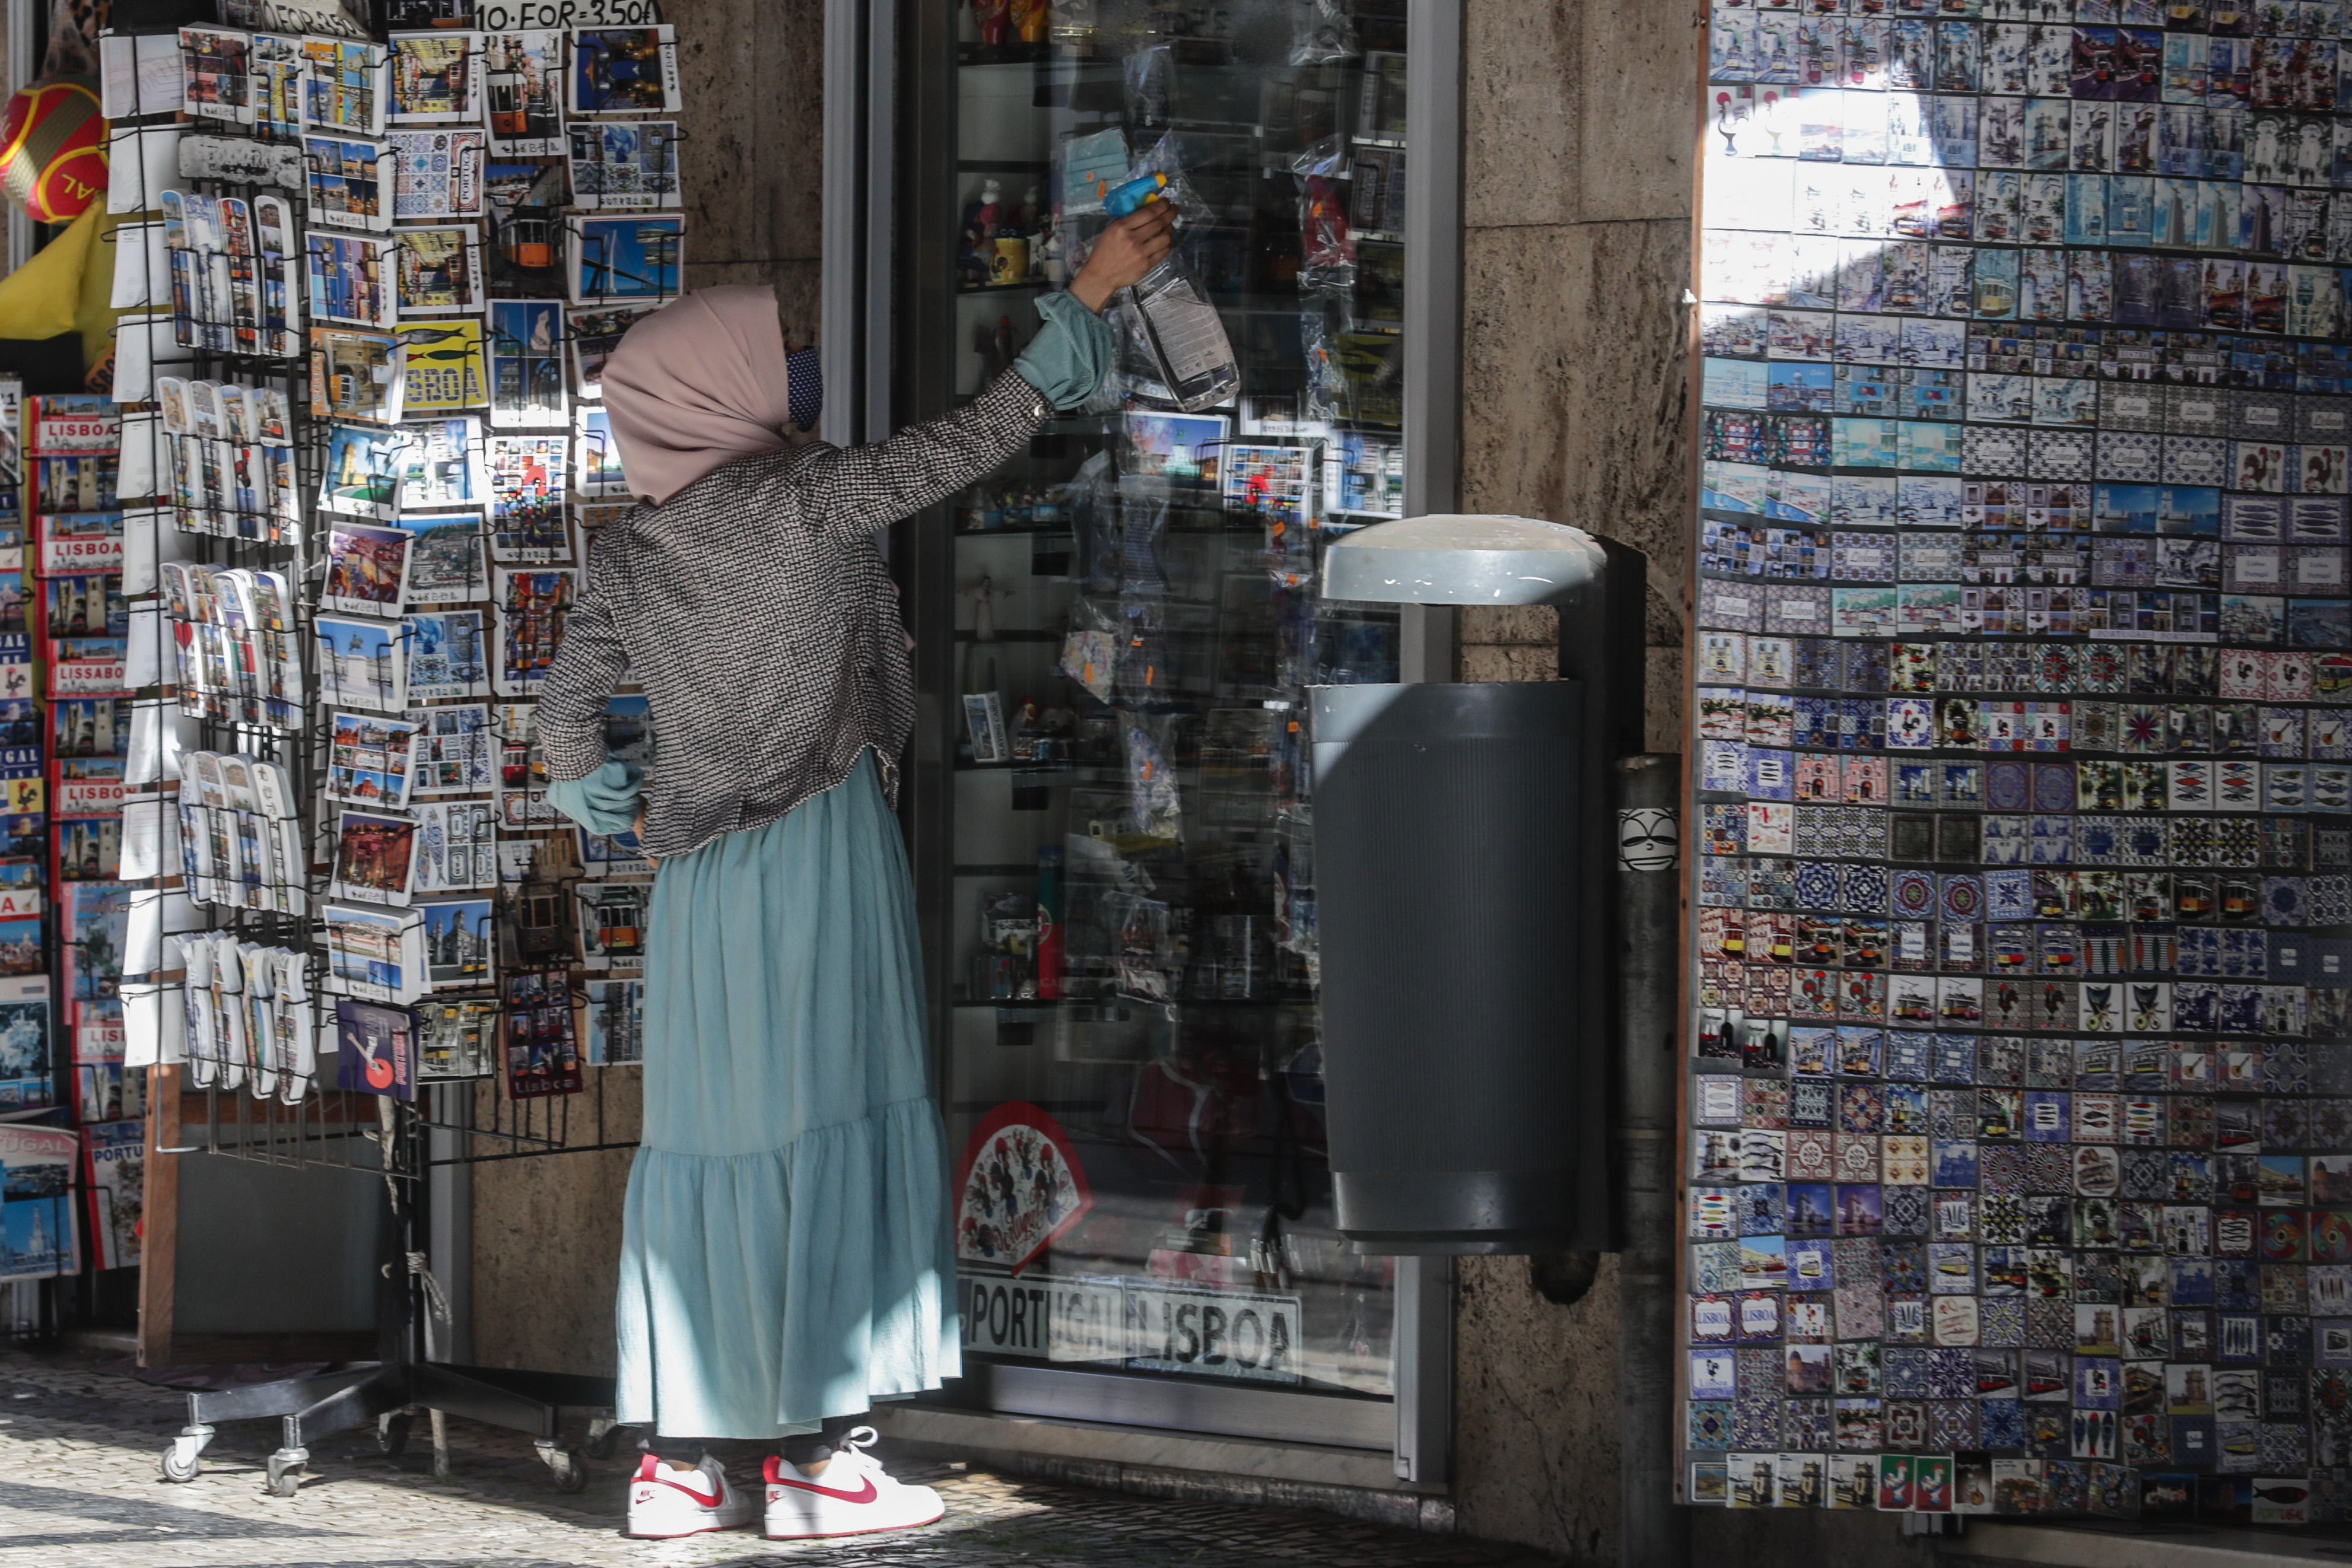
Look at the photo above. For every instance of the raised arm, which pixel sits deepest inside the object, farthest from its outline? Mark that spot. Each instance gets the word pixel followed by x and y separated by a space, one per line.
pixel 857 490
pixel 861 488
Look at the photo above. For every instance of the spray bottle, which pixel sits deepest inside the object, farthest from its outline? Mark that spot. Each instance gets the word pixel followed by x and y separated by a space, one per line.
pixel 1187 336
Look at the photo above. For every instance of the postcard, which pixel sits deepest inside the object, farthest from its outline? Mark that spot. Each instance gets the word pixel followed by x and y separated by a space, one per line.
pixel 345 86
pixel 217 74
pixel 436 78
pixel 598 471
pixel 531 605
pixel 360 664
pixel 368 760
pixel 375 858
pixel 444 365
pixel 363 467
pixel 367 570
pixel 458 936
pixel 525 355
pixel 523 73
pixel 357 374
pixel 349 179
pixel 456 748
pixel 528 485
pixel 594 332
pixel 350 280
pixel 624 71
pixel 445 564
pixel 626 259
pixel 624 163
pixel 437 173
pixel 440 271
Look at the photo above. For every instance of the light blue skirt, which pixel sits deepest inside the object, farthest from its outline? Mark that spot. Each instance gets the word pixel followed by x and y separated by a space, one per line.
pixel 785 1253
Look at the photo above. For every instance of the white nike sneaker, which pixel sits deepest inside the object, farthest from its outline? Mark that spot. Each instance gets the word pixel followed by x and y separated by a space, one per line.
pixel 666 1502
pixel 851 1496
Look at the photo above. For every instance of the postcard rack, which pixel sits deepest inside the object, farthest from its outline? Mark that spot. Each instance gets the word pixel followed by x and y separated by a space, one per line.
pixel 357 931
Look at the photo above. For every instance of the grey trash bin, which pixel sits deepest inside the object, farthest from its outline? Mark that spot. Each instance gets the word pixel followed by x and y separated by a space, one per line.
pixel 1464 850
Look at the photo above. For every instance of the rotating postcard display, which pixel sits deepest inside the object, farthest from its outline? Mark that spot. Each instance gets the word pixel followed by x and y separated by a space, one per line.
pixel 2021 1059
pixel 351 546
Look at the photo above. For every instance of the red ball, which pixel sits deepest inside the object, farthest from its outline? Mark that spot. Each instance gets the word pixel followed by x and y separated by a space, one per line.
pixel 53 148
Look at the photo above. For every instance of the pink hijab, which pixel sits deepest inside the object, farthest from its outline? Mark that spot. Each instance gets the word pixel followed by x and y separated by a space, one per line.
pixel 696 385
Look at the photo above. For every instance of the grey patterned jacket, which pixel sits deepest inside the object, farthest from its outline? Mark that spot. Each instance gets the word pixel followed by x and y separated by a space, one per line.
pixel 758 614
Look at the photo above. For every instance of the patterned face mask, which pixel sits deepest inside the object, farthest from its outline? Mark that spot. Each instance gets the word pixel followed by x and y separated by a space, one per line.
pixel 804 387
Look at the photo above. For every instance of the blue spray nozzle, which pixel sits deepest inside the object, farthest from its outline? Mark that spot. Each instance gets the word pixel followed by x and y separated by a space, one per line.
pixel 1135 193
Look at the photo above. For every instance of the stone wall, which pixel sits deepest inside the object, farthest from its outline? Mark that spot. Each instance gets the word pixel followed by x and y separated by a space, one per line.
pixel 751 145
pixel 1578 175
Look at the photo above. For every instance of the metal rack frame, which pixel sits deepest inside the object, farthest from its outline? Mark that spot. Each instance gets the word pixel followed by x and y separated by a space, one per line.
pixel 404 1376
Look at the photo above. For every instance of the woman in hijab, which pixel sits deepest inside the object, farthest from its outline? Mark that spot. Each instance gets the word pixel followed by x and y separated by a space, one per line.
pixel 785 1255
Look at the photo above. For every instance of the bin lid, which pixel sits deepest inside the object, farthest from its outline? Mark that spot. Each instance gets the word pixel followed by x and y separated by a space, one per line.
pixel 1460 558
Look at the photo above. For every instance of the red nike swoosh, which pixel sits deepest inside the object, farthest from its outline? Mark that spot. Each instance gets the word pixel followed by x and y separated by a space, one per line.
pixel 865 1492
pixel 711 1502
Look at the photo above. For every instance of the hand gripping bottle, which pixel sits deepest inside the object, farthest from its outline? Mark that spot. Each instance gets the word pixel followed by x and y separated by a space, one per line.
pixel 1187 336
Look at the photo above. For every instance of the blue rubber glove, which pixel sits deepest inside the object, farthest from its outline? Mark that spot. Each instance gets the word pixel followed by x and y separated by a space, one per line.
pixel 1068 358
pixel 604 802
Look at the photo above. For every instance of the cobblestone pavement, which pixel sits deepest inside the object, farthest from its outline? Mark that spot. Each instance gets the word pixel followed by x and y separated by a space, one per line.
pixel 78 1486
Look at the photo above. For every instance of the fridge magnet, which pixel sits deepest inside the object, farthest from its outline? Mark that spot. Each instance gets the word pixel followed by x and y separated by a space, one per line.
pixel 624 163
pixel 1020 1186
pixel 436 175
pixel 522 73
pixel 526 363
pixel 375 858
pixel 624 71
pixel 542 1053
pixel 349 181
pixel 440 269
pixel 367 570
pixel 436 78
pixel 620 260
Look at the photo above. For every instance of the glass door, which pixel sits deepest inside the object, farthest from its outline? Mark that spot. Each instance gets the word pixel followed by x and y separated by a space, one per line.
pixel 1111 799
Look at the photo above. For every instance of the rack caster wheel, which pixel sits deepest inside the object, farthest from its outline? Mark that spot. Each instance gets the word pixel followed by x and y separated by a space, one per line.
pixel 183 1460
pixel 286 1471
pixel 391 1433
pixel 569 1470
pixel 604 1437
